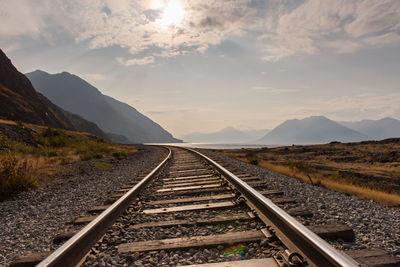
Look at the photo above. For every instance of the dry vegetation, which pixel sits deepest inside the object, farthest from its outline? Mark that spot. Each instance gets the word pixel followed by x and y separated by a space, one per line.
pixel 368 170
pixel 25 166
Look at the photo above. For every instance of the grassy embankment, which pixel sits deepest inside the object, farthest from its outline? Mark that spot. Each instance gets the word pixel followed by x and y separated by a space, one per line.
pixel 361 169
pixel 23 166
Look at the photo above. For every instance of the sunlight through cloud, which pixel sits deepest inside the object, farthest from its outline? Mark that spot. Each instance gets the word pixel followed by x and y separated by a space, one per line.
pixel 172 12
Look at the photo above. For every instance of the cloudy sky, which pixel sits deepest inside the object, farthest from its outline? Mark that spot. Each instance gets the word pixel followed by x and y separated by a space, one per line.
pixel 201 65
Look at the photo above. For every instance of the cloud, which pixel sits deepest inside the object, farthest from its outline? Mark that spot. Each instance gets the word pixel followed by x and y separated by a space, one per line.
pixel 12 47
pixel 95 76
pixel 279 28
pixel 343 26
pixel 273 90
pixel 135 61
pixel 355 107
pixel 20 18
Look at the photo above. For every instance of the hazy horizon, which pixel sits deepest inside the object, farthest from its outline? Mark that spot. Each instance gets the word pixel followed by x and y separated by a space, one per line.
pixel 201 66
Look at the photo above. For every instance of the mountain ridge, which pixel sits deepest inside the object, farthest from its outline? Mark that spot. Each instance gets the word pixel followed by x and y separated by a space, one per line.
pixel 74 94
pixel 20 101
pixel 314 129
pixel 376 129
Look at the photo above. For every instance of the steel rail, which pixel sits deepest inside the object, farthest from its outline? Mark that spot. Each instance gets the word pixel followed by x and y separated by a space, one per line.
pixel 72 251
pixel 307 243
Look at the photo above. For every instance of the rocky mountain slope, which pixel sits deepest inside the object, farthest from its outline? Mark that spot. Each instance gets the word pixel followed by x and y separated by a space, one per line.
pixel 20 102
pixel 78 96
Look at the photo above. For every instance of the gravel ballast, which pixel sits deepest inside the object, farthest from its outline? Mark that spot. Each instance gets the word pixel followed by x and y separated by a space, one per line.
pixel 375 226
pixel 31 219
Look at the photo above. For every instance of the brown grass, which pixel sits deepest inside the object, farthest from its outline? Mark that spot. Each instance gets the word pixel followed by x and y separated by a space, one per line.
pixel 320 178
pixel 56 148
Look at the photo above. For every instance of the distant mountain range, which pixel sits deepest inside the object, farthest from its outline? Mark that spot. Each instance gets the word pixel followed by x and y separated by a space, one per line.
pixel 20 102
pixel 72 93
pixel 226 135
pixel 310 130
pixel 376 129
pixel 319 129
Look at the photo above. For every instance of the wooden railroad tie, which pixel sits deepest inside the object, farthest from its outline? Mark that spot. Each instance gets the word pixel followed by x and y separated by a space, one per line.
pixel 186 183
pixel 373 257
pixel 217 219
pixel 195 192
pixel 190 199
pixel 194 241
pixel 265 262
pixel 183 188
pixel 216 205
pixel 187 177
pixel 190 170
pixel 334 231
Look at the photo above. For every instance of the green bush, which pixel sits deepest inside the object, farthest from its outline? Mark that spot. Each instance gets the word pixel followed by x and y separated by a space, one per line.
pixel 254 160
pixel 102 165
pixel 15 175
pixel 120 154
pixel 54 138
pixel 5 143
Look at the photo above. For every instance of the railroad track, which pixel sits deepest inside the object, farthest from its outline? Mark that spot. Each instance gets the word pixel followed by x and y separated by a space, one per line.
pixel 190 210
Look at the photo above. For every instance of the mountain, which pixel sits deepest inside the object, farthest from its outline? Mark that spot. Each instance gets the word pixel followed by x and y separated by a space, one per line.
pixel 376 129
pixel 78 96
pixel 20 102
pixel 82 125
pixel 226 135
pixel 78 123
pixel 256 134
pixel 316 129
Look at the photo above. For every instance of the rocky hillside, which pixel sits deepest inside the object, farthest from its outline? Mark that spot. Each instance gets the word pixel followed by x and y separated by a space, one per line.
pixel 20 102
pixel 72 93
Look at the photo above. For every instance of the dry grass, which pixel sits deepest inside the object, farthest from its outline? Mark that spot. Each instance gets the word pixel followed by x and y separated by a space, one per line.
pixel 303 169
pixel 340 186
pixel 56 148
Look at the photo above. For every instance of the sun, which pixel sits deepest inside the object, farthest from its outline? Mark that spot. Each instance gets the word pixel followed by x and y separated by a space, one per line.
pixel 172 13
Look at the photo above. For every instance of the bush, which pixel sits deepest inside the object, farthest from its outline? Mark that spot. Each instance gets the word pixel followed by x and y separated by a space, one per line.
pixel 253 161
pixel 5 143
pixel 15 175
pixel 300 165
pixel 102 165
pixel 120 154
pixel 53 138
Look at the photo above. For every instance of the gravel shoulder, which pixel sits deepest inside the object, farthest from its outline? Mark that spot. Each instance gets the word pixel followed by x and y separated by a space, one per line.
pixel 31 219
pixel 375 226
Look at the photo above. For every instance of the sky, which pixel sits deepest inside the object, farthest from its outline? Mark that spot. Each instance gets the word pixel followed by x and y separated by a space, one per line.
pixel 202 65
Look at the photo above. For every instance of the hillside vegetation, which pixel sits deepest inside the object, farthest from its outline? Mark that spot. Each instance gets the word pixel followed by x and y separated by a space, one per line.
pixel 31 154
pixel 366 169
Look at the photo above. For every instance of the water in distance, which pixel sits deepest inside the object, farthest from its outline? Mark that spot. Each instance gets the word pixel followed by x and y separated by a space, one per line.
pixel 215 146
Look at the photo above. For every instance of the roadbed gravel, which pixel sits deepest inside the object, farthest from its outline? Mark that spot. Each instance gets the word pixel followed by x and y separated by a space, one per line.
pixel 31 219
pixel 375 226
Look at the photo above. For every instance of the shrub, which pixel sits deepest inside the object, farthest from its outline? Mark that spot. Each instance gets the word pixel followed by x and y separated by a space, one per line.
pixel 53 138
pixel 300 165
pixel 15 175
pixel 253 161
pixel 102 165
pixel 20 123
pixel 120 154
pixel 5 143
